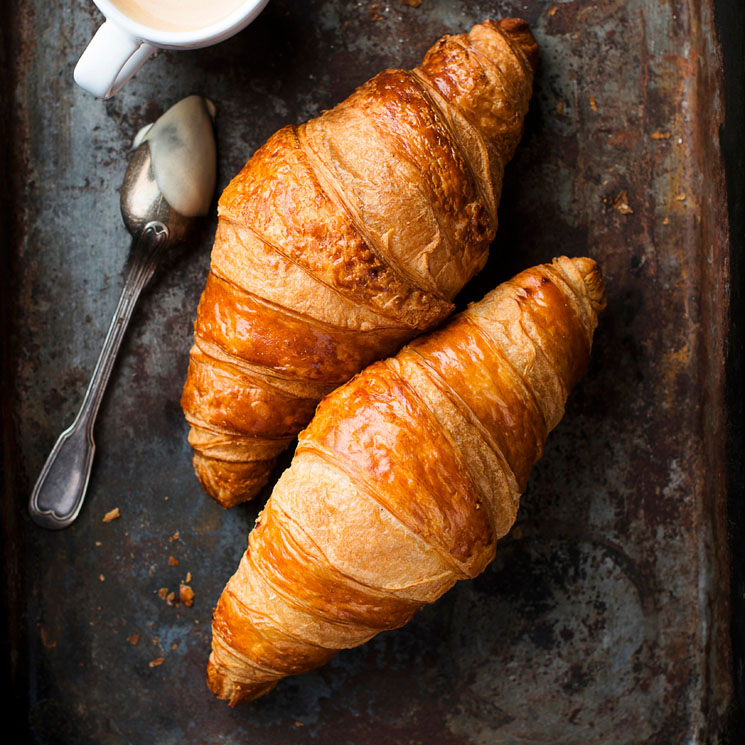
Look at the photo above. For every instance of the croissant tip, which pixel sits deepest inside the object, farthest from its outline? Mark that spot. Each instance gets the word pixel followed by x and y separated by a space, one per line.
pixel 231 484
pixel 593 280
pixel 519 31
pixel 217 682
pixel 235 693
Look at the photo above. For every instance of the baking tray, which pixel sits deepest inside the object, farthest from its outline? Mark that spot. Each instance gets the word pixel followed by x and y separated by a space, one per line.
pixel 606 616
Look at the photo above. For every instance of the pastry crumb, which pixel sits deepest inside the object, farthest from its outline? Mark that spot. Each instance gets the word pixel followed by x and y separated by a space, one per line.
pixel 186 595
pixel 172 561
pixel 134 639
pixel 163 593
pixel 111 515
pixel 157 661
pixel 593 103
pixel 621 203
pixel 412 3
pixel 658 135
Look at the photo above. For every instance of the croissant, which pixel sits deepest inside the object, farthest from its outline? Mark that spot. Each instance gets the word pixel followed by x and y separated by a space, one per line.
pixel 343 238
pixel 404 480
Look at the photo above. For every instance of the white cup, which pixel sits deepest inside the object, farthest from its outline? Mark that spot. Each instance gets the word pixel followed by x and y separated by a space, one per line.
pixel 122 45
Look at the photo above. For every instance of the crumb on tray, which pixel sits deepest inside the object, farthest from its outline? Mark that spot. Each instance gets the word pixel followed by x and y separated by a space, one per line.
pixel 621 203
pixel 111 515
pixel 186 595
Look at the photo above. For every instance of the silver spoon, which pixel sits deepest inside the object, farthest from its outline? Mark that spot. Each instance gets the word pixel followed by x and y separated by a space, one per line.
pixel 154 224
pixel 60 489
pixel 174 163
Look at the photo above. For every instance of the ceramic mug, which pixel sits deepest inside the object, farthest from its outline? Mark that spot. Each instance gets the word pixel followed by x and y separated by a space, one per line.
pixel 122 44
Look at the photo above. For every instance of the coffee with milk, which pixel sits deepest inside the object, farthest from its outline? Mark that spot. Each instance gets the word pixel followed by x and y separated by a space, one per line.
pixel 177 15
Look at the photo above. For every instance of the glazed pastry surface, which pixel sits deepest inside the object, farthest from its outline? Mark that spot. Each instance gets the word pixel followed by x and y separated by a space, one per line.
pixel 343 238
pixel 405 479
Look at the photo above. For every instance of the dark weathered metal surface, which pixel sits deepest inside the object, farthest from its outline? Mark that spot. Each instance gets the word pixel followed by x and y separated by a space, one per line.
pixel 731 27
pixel 604 618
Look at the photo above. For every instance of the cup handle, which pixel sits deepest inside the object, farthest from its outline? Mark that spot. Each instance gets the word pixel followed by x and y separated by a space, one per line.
pixel 111 58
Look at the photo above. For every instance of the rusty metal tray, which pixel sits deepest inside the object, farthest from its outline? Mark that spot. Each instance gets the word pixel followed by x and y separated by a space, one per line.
pixel 606 617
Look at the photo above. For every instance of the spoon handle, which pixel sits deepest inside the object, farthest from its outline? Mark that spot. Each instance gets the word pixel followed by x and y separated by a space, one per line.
pixel 60 489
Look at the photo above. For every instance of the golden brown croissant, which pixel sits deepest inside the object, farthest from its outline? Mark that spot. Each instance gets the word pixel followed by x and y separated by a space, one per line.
pixel 404 480
pixel 343 238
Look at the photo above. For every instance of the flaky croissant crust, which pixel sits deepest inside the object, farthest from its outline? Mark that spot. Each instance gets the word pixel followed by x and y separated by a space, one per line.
pixel 344 237
pixel 404 480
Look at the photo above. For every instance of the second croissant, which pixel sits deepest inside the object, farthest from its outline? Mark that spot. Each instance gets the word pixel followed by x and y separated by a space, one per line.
pixel 405 480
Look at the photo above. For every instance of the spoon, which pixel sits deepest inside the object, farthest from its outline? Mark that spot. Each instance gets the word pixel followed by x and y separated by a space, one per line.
pixel 154 224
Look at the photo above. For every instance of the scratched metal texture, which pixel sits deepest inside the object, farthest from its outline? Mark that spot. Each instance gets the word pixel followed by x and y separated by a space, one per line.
pixel 605 616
